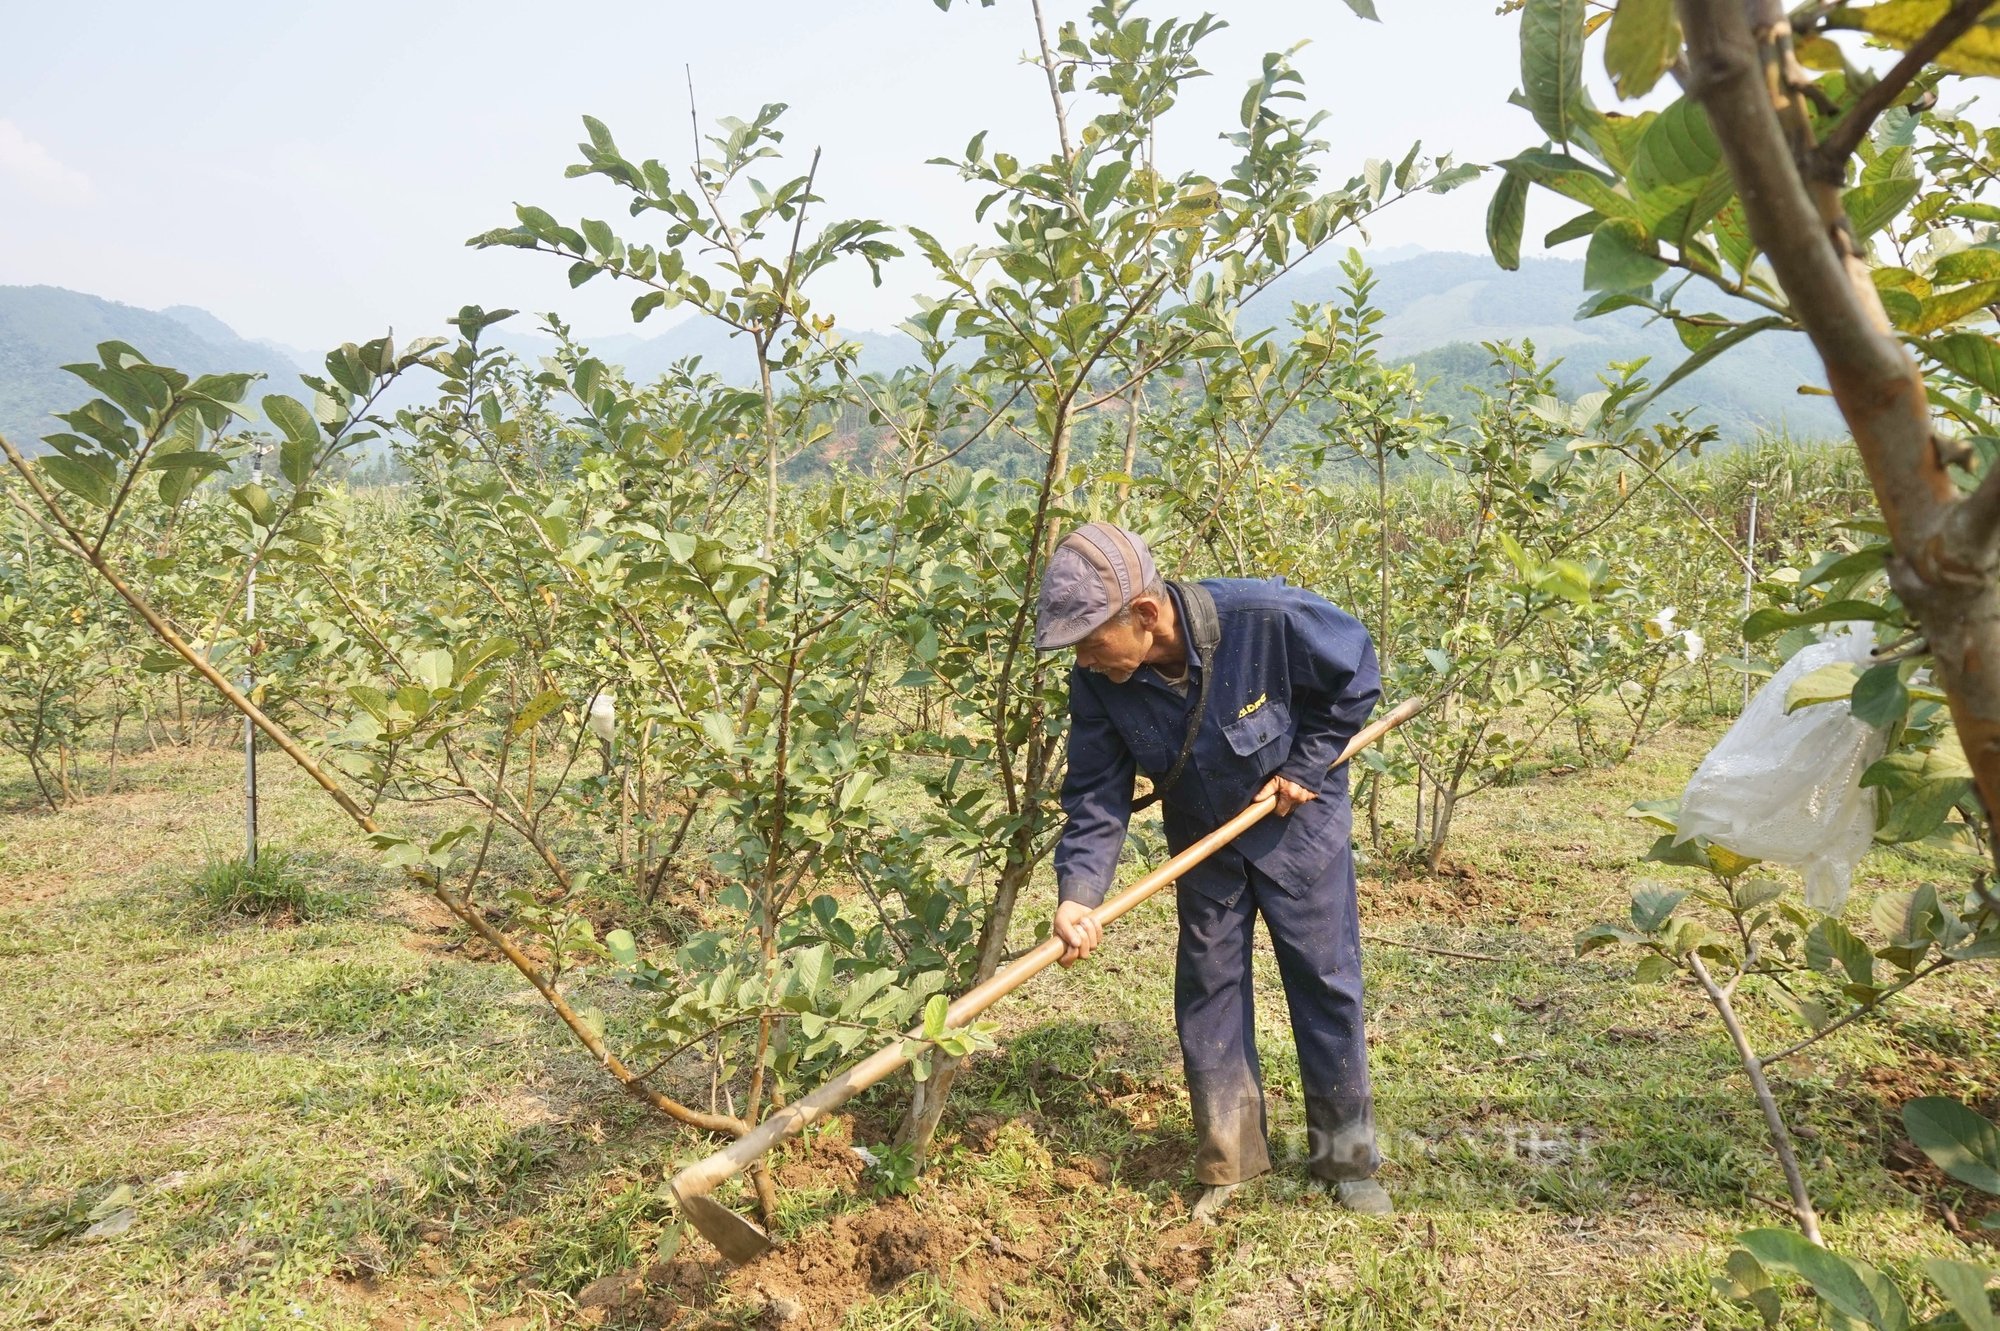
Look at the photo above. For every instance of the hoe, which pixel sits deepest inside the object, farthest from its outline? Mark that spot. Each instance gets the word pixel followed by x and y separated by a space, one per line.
pixel 739 1239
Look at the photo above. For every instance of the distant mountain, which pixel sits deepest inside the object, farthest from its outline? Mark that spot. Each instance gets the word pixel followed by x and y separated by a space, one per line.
pixel 1439 306
pixel 1439 302
pixel 722 352
pixel 43 329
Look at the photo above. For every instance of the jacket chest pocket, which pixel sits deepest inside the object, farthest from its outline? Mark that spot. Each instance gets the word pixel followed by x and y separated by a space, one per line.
pixel 1266 725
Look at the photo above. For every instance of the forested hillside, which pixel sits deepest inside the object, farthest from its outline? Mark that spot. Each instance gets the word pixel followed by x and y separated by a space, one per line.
pixel 45 328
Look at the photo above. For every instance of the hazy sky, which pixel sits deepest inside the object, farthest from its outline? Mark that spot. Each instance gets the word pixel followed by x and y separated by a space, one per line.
pixel 309 171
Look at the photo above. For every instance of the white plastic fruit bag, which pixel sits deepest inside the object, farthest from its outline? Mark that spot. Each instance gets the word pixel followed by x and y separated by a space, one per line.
pixel 1787 788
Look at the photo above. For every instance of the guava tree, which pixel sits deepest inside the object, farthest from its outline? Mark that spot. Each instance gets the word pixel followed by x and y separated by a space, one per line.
pixel 1107 270
pixel 1795 187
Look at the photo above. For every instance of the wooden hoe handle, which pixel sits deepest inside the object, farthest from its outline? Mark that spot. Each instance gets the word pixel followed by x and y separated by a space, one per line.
pixel 701 1177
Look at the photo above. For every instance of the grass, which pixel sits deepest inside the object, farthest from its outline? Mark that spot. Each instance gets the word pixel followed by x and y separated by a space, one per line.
pixel 332 1116
pixel 277 883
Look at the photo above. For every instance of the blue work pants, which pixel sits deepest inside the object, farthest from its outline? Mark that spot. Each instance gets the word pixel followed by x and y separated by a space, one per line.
pixel 1316 936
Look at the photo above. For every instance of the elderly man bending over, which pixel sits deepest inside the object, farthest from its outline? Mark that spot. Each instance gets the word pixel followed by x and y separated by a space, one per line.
pixel 1222 692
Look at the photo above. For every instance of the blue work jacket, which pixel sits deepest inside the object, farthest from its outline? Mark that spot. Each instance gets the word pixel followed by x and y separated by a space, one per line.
pixel 1291 681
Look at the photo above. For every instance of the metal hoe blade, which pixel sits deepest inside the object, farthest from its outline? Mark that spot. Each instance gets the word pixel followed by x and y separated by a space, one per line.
pixel 734 1237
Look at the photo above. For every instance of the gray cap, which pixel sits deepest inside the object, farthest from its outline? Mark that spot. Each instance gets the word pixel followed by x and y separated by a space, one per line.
pixel 1093 574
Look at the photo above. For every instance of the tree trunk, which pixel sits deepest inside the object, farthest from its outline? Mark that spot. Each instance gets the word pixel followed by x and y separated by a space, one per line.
pixel 927 1102
pixel 1440 826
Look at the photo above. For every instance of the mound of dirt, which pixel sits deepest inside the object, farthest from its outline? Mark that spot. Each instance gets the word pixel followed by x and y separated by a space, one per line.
pixel 812 1280
pixel 982 1252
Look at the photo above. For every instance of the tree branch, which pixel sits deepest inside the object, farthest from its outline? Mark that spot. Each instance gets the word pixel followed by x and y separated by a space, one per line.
pixel 1781 1137
pixel 1829 160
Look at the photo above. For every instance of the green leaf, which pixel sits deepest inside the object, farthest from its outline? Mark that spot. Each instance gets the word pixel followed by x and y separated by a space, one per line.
pixel 1375 171
pixel 1727 862
pixel 112 1203
pixel 1913 916
pixel 721 731
pixel 935 1013
pixel 1751 893
pixel 1552 65
pixel 1829 941
pixel 1903 23
pixel 1879 696
pixel 1841 1284
pixel 1954 306
pixel 1690 854
pixel 1748 1284
pixel 1621 258
pixel 1964 1288
pixel 669 1241
pixel 1776 619
pixel 1833 682
pixel 1575 229
pixel 1604 935
pixel 1643 41
pixel 1872 207
pixel 1365 8
pixel 1653 969
pixel 1505 217
pixel 257 501
pixel 89 481
pixel 1972 356
pixel 624 949
pixel 436 668
pixel 293 420
pixel 1574 179
pixel 1921 788
pixel 1105 184
pixel 1868 560
pixel 1978 264
pixel 1958 1141
pixel 1652 905
pixel 183 471
pixel 1444 182
pixel 811 968
pixel 1714 347
pixel 1664 814
pixel 1679 149
pixel 1813 1016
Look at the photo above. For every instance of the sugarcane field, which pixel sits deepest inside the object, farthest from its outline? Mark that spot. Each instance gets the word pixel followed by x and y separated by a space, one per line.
pixel 1000 664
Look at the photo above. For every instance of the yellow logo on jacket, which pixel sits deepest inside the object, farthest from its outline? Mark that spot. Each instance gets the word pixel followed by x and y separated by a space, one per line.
pixel 1251 706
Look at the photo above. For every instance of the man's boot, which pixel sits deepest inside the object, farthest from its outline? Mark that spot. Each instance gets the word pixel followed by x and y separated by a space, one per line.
pixel 1214 1197
pixel 1363 1196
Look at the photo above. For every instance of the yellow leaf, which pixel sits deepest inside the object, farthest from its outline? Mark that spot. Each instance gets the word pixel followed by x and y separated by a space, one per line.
pixel 1901 22
pixel 1819 53
pixel 1901 279
pixel 1727 862
pixel 1954 306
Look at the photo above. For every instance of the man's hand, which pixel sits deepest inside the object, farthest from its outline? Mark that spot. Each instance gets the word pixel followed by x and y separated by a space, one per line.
pixel 1290 794
pixel 1079 930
